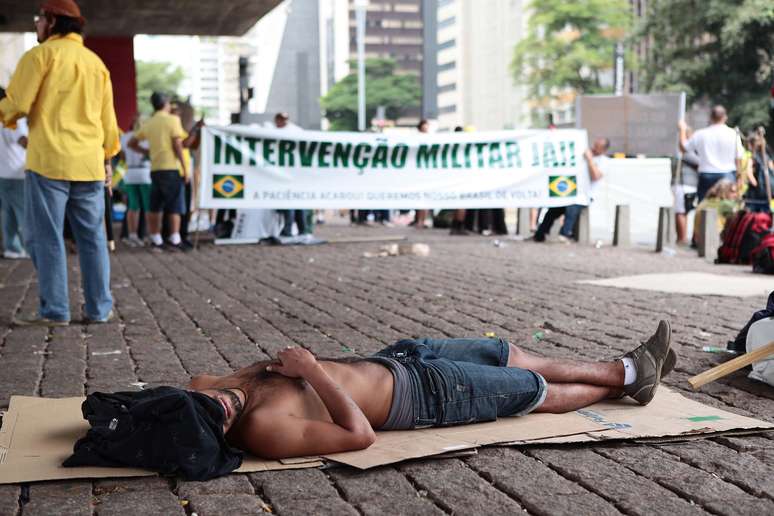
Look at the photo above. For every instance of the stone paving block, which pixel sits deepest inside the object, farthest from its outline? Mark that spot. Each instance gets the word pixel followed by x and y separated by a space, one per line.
pixel 302 491
pixel 741 469
pixel 231 484
pixel 631 493
pixel 231 504
pixel 381 491
pixel 9 500
pixel 528 481
pixel 131 503
pixel 458 489
pixel 691 483
pixel 70 497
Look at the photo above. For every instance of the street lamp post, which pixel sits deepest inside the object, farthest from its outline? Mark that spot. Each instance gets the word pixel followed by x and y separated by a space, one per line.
pixel 360 19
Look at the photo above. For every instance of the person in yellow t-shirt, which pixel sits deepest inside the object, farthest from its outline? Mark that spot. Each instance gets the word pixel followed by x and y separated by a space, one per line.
pixel 65 92
pixel 164 133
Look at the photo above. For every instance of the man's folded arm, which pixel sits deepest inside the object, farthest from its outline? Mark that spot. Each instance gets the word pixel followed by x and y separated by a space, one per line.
pixel 272 435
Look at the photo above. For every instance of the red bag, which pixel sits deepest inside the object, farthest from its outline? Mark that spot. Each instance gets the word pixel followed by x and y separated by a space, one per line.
pixel 742 233
pixel 763 255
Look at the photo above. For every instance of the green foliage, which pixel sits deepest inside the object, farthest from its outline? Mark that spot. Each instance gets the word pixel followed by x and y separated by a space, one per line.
pixel 568 46
pixel 715 50
pixel 152 76
pixel 397 93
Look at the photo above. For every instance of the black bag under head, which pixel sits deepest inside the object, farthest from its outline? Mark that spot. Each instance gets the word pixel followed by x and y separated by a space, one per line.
pixel 167 430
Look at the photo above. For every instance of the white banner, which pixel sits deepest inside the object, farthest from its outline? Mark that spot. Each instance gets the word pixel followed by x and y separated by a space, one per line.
pixel 250 167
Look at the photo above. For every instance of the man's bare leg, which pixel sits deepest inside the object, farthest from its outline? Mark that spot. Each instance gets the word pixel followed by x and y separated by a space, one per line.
pixel 606 374
pixel 566 397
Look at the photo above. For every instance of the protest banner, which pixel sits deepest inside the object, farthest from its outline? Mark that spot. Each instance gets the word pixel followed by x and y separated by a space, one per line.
pixel 251 167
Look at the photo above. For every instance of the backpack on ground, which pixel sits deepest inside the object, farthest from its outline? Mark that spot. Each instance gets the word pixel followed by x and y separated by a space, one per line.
pixel 763 255
pixel 739 344
pixel 742 233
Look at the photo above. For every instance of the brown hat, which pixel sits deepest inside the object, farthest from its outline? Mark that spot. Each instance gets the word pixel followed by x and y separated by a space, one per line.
pixel 63 8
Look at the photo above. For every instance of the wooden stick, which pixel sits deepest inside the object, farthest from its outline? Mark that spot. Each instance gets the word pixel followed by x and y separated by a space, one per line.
pixel 729 367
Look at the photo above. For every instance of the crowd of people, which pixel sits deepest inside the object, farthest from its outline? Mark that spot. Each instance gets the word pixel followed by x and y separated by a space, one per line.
pixel 55 183
pixel 721 169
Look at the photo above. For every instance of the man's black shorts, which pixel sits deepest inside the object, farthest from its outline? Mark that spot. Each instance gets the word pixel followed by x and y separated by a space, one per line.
pixel 167 192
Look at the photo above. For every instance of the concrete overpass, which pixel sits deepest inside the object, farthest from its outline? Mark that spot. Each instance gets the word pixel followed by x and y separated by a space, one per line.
pixel 111 26
pixel 122 18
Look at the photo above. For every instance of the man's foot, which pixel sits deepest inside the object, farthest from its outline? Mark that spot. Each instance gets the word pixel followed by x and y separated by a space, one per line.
pixel 133 241
pixel 89 320
pixel 172 248
pixel 37 320
pixel 14 255
pixel 649 359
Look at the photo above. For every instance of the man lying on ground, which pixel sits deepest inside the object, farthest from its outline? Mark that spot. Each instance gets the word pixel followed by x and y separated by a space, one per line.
pixel 298 406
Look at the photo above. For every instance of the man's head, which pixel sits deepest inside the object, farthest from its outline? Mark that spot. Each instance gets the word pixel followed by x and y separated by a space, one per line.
pixel 718 114
pixel 281 119
pixel 423 126
pixel 58 17
pixel 160 101
pixel 600 146
pixel 232 401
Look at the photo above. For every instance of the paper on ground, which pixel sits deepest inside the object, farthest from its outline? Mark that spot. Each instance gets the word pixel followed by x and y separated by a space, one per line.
pixel 39 433
pixel 694 283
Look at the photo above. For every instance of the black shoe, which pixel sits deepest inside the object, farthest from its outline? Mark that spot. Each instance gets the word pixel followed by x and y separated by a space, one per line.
pixel 649 359
pixel 172 248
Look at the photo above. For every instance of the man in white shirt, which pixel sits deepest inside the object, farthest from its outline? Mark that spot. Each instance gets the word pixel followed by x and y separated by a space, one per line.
pixel 13 143
pixel 719 149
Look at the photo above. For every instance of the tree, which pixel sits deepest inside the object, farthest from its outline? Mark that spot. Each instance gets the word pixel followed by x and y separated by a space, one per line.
pixel 153 76
pixel 720 51
pixel 396 92
pixel 569 47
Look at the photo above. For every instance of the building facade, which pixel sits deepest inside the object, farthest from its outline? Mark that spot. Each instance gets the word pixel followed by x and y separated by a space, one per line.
pixel 475 44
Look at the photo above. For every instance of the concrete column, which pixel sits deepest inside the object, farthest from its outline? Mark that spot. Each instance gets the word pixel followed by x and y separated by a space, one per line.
pixel 118 55
pixel 522 222
pixel 709 238
pixel 622 232
pixel 662 238
pixel 584 226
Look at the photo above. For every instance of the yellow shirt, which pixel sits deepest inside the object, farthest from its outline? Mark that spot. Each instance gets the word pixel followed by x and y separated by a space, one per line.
pixel 64 89
pixel 160 131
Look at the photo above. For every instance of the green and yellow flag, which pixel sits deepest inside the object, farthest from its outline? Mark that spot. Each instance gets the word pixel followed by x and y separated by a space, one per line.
pixel 229 186
pixel 562 186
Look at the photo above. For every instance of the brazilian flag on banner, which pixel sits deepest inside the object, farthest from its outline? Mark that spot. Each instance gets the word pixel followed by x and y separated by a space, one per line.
pixel 562 186
pixel 229 186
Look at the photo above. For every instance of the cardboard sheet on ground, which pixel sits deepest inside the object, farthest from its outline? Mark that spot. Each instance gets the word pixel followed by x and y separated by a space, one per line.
pixel 694 283
pixel 39 433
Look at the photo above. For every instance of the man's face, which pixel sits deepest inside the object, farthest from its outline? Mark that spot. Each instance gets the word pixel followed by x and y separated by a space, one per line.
pixel 598 148
pixel 232 403
pixel 43 26
pixel 280 122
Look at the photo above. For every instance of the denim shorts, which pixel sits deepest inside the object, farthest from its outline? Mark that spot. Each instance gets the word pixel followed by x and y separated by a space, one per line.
pixel 167 192
pixel 460 381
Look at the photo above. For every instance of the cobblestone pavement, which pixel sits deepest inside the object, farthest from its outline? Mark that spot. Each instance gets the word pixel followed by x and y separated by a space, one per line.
pixel 224 307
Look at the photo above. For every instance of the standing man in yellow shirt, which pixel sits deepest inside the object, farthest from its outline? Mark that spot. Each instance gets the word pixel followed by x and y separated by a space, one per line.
pixel 65 91
pixel 165 135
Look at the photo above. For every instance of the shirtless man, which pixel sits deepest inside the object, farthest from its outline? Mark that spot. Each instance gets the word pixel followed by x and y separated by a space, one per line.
pixel 297 405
